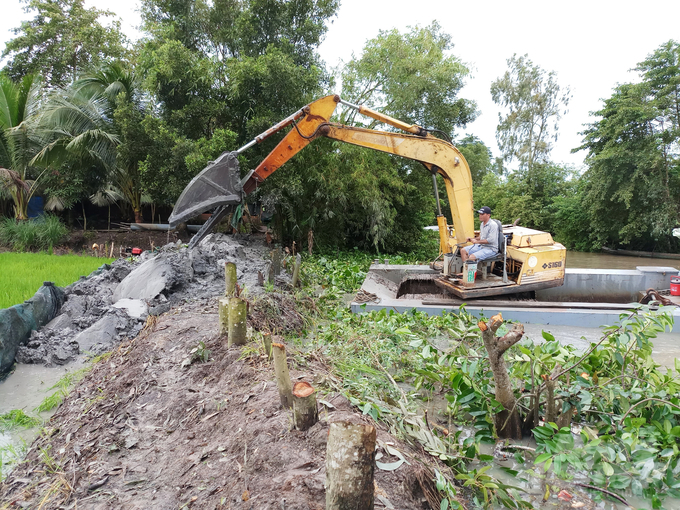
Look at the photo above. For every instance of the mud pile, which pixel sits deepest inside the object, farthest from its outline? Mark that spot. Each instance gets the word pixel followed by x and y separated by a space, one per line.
pixel 113 303
pixel 153 426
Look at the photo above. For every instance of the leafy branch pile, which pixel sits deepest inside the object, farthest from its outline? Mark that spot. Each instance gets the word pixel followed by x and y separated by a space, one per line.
pixel 619 411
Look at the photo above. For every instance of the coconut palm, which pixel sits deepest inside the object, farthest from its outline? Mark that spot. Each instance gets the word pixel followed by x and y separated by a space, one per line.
pixel 18 104
pixel 79 125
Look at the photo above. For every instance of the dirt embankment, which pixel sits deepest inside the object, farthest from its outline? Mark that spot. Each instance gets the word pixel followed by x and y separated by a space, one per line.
pixel 146 429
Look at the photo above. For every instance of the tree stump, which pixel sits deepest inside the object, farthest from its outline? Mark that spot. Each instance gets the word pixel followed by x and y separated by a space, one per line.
pixel 350 461
pixel 223 310
pixel 508 422
pixel 237 321
pixel 305 412
pixel 267 341
pixel 296 269
pixel 282 376
pixel 230 279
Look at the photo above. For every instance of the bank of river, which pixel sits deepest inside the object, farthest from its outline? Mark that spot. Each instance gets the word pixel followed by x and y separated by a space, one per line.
pixel 28 385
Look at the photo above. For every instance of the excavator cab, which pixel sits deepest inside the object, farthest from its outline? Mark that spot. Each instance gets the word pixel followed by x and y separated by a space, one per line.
pixel 531 260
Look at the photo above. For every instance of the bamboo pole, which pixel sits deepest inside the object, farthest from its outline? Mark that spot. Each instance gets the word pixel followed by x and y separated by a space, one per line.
pixel 230 279
pixel 223 310
pixel 282 376
pixel 296 270
pixel 305 412
pixel 237 321
pixel 350 461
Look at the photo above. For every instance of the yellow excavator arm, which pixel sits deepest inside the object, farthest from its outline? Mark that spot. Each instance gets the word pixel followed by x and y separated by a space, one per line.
pixel 435 154
pixel 530 259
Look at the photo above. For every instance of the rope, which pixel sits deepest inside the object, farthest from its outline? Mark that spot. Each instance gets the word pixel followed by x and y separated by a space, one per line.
pixel 366 297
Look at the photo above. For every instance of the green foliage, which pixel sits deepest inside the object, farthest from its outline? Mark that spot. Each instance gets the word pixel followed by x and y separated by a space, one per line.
pixel 200 353
pixel 62 386
pixel 61 41
pixel 412 77
pixel 38 234
pixel 16 418
pixel 634 171
pixel 18 102
pixel 535 104
pixel 23 273
pixel 478 157
pixel 389 365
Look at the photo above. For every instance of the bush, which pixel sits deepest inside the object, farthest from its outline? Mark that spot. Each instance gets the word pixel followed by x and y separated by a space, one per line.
pixel 40 234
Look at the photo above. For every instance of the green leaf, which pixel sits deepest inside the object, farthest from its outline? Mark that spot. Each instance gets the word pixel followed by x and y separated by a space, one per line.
pixel 607 469
pixel 542 458
pixel 548 337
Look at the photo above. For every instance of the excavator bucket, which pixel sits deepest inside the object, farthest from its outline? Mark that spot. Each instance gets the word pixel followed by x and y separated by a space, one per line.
pixel 218 185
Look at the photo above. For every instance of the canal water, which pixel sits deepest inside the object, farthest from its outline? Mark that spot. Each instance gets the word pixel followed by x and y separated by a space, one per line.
pixel 577 259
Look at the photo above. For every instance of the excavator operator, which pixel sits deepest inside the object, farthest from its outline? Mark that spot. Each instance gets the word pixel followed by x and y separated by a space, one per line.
pixel 486 246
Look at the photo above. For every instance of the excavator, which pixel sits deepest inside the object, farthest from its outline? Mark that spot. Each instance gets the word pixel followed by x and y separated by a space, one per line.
pixel 529 259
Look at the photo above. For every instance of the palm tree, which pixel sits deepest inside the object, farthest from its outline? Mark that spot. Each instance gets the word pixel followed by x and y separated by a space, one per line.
pixel 18 104
pixel 79 125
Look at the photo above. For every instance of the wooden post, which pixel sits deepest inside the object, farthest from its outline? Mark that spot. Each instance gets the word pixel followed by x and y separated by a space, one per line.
pixel 230 279
pixel 305 412
pixel 237 321
pixel 350 460
pixel 282 376
pixel 296 269
pixel 223 309
pixel 267 340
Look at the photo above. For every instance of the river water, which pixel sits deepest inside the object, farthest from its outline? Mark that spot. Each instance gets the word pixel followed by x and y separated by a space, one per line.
pixel 577 259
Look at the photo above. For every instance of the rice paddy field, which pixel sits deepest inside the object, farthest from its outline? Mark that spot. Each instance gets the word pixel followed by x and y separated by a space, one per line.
pixel 22 274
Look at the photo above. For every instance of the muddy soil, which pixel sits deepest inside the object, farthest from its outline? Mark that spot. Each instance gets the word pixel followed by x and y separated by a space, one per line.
pixel 81 242
pixel 147 428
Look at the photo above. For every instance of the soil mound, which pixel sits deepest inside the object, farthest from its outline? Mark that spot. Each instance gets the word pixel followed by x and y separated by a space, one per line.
pixel 150 428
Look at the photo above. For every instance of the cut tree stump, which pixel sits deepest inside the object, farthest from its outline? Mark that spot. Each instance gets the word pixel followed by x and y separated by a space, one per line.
pixel 223 310
pixel 267 340
pixel 508 422
pixel 282 376
pixel 237 321
pixel 350 461
pixel 230 279
pixel 305 412
pixel 296 269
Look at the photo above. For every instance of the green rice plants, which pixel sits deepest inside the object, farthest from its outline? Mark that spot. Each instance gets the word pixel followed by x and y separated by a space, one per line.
pixel 22 274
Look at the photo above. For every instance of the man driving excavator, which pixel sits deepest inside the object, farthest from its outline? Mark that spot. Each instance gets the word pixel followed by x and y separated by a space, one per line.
pixel 486 246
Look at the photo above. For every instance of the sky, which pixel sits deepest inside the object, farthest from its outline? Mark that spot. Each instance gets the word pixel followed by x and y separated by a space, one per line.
pixel 590 45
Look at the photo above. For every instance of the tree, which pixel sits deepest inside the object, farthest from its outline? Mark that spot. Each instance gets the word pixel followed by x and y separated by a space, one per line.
pixel 18 102
pixel 661 72
pixel 478 157
pixel 535 104
pixel 630 174
pixel 92 135
pixel 62 41
pixel 411 77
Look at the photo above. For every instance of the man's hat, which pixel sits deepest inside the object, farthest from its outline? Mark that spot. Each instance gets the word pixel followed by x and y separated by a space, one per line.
pixel 484 210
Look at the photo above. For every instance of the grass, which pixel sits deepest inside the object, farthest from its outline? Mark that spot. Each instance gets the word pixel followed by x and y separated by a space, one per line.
pixel 17 419
pixel 41 234
pixel 62 386
pixel 22 274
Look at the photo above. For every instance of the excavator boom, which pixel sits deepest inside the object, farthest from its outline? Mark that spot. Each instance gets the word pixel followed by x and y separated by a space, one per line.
pixel 218 185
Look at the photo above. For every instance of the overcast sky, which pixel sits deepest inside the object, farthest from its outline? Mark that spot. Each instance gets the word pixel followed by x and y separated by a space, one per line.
pixel 591 45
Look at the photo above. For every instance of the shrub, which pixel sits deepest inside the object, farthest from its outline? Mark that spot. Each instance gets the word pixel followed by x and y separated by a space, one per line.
pixel 40 234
